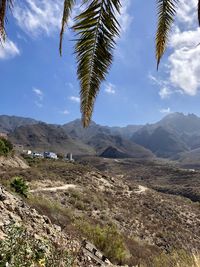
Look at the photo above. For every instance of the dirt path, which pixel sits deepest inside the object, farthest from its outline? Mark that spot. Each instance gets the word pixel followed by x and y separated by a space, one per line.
pixel 54 189
pixel 141 189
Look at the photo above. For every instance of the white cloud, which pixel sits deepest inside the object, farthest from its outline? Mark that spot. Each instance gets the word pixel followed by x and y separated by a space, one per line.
pixel 39 16
pixel 165 110
pixel 165 92
pixel 110 89
pixel 75 99
pixel 36 17
pixel 185 12
pixel 183 68
pixel 39 97
pixel 8 50
pixel 125 18
pixel 164 88
pixel 157 81
pixel 38 93
pixel 65 112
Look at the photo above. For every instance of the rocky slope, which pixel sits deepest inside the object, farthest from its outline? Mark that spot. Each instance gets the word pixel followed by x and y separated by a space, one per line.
pixel 79 141
pixel 160 141
pixel 16 213
pixel 44 137
pixel 13 162
pixel 174 134
pixel 10 123
pixel 170 137
pixel 102 143
pixel 148 220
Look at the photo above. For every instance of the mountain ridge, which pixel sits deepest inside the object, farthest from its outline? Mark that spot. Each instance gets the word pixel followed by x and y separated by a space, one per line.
pixel 171 137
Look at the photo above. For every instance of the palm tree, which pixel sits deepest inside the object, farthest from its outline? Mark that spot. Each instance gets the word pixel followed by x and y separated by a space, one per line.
pixel 96 29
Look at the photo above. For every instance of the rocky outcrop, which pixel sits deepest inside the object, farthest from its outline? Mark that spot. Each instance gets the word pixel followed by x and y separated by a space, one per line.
pixel 13 210
pixel 13 162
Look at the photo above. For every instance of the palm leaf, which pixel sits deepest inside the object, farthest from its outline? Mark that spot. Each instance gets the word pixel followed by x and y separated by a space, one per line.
pixel 199 12
pixel 68 5
pixel 166 14
pixel 4 4
pixel 96 28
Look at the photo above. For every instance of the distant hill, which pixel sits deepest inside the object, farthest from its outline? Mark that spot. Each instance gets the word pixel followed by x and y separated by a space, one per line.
pixel 171 137
pixel 113 153
pixel 125 132
pixel 174 134
pixel 10 123
pixel 190 158
pixel 101 138
pixel 43 137
pixel 180 124
pixel 102 141
pixel 160 141
pixel 76 130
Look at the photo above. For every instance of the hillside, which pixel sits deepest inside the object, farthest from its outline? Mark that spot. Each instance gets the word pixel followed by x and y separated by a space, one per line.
pixel 190 159
pixel 101 142
pixel 161 175
pixel 175 134
pixel 29 238
pixel 101 138
pixel 160 141
pixel 76 130
pixel 112 152
pixel 171 137
pixel 44 137
pixel 10 123
pixel 125 132
pixel 180 123
pixel 75 139
pixel 88 202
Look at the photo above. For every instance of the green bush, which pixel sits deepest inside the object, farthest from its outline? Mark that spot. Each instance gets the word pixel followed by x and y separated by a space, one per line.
pixel 20 186
pixel 106 239
pixel 21 249
pixel 5 147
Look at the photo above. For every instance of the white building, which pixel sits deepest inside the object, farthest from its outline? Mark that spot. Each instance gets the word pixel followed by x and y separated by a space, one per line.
pixel 50 155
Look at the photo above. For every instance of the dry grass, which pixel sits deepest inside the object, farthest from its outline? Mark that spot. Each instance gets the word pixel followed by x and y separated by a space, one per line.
pixel 154 222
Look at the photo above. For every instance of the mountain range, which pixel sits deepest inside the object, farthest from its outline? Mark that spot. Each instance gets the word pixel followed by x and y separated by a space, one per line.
pixel 175 136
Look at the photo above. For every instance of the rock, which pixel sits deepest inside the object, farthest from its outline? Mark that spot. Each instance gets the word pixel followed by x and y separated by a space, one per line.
pixel 57 227
pixel 7 222
pixel 2 194
pixel 48 230
pixel 47 220
pixel 14 217
pixel 2 235
pixel 19 212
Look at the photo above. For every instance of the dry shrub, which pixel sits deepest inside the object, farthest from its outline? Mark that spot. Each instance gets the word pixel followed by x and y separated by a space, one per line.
pixel 21 248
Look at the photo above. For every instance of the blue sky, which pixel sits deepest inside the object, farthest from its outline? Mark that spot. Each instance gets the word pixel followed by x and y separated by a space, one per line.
pixel 36 82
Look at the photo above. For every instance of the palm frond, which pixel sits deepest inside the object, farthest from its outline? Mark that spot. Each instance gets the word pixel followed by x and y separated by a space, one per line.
pixel 4 5
pixel 199 12
pixel 96 28
pixel 68 5
pixel 166 14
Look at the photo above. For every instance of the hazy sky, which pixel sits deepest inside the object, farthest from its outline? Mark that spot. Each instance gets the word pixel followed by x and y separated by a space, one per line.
pixel 36 82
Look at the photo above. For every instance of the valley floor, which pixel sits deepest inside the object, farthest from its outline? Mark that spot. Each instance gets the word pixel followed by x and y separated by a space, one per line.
pixel 144 208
